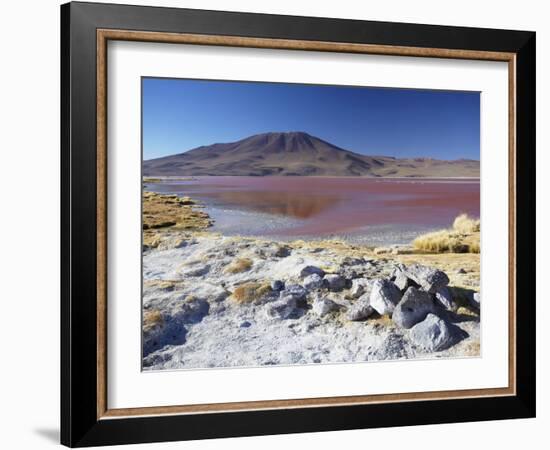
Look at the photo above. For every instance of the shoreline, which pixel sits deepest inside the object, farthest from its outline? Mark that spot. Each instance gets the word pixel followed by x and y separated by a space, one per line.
pixel 189 216
pixel 211 300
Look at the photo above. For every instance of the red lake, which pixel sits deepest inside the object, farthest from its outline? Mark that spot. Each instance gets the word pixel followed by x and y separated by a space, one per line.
pixel 370 210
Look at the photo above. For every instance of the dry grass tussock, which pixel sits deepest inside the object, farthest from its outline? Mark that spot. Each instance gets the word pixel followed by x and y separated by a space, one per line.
pixel 249 292
pixel 465 224
pixel 239 265
pixel 463 237
pixel 152 319
pixel 169 212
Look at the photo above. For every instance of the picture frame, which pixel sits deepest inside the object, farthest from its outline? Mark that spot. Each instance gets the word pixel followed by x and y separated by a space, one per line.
pixel 86 418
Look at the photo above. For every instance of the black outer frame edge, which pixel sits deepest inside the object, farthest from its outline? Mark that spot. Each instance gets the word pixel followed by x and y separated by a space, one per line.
pixel 79 426
pixel 525 223
pixel 178 20
pixel 65 226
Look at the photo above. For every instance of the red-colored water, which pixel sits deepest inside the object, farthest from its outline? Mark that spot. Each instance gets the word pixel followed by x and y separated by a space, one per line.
pixel 321 206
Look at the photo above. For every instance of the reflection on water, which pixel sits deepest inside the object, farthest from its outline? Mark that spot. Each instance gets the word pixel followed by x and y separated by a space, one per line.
pixel 317 207
pixel 292 204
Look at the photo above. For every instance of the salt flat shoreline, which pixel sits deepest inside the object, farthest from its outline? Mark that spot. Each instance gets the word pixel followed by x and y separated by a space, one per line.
pixel 212 301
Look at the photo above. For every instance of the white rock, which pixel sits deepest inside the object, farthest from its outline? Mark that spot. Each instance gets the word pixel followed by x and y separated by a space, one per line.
pixel 428 278
pixel 309 270
pixel 323 306
pixel 335 282
pixel 284 308
pixel 432 334
pixel 413 308
pixel 445 299
pixel 313 281
pixel 277 285
pixel 384 295
pixel 361 309
pixel 293 290
pixel 401 281
pixel 475 300
pixel 358 287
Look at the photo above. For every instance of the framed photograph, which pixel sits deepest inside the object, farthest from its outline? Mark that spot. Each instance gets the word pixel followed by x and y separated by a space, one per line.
pixel 276 224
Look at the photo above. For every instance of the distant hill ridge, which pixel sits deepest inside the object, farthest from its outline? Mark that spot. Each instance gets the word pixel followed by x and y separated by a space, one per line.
pixel 298 154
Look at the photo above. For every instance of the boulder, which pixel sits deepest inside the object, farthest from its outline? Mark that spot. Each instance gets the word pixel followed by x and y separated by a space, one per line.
pixel 445 299
pixel 323 306
pixel 402 281
pixel 335 282
pixel 475 300
pixel 384 295
pixel 310 270
pixel 413 308
pixel 284 308
pixel 313 281
pixel 281 251
pixel 428 278
pixel 293 290
pixel 277 285
pixel 359 286
pixel 432 334
pixel 361 309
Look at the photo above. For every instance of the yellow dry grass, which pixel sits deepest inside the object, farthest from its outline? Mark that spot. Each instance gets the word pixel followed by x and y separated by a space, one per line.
pixel 152 319
pixel 166 285
pixel 249 292
pixel 465 224
pixel 165 211
pixel 239 265
pixel 384 321
pixel 463 237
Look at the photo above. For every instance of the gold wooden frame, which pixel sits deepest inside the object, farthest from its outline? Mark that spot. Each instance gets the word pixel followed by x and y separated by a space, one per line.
pixel 103 36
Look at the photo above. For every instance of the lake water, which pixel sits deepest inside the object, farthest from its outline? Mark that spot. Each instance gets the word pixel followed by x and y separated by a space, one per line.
pixel 374 211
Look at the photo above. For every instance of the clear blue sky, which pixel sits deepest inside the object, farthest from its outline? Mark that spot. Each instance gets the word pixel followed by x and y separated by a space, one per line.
pixel 180 114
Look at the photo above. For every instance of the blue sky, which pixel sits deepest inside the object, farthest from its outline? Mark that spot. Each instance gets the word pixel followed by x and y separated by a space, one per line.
pixel 180 114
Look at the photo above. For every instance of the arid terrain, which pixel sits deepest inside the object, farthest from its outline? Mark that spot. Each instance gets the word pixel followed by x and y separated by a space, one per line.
pixel 211 300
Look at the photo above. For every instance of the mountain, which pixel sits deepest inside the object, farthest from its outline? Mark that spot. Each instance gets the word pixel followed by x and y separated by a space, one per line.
pixel 299 154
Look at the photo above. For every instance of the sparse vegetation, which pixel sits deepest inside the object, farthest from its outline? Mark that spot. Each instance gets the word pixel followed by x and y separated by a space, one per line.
pixel 465 224
pixel 239 265
pixel 152 319
pixel 463 237
pixel 249 292
pixel 167 285
pixel 165 211
pixel 151 239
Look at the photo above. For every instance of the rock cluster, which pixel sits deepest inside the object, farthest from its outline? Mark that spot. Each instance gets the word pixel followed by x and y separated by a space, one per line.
pixel 414 296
